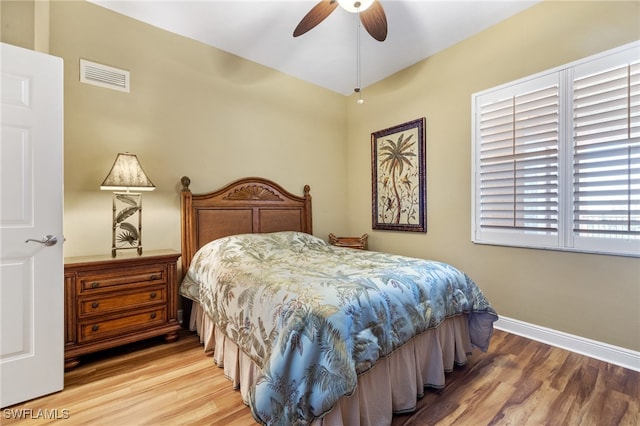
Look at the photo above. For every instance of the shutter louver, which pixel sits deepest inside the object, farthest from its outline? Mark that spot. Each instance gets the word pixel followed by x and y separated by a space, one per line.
pixel 606 153
pixel 519 162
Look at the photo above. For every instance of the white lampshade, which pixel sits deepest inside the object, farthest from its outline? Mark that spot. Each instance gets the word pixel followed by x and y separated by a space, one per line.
pixel 355 6
pixel 126 174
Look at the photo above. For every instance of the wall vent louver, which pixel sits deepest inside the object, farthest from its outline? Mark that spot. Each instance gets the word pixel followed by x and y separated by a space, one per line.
pixel 104 76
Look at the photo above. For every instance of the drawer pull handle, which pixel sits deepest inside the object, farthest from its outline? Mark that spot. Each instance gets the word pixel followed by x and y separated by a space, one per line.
pixel 154 277
pixel 95 328
pixel 94 305
pixel 153 295
pixel 153 315
pixel 95 284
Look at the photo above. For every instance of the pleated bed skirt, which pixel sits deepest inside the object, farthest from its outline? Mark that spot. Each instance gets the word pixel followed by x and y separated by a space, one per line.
pixel 393 385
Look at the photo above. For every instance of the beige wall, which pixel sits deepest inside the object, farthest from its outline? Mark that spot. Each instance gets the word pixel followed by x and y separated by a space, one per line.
pixel 25 23
pixel 593 296
pixel 193 110
pixel 17 19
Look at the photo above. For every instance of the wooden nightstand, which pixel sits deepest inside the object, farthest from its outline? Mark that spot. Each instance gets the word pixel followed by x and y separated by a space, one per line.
pixel 114 301
pixel 351 242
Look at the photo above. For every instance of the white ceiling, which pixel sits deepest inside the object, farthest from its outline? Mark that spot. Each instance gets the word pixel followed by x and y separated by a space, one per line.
pixel 261 31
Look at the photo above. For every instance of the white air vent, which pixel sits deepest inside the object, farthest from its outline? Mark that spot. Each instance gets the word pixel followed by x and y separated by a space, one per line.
pixel 104 76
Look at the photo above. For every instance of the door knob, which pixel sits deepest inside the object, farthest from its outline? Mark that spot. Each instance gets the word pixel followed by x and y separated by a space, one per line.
pixel 47 240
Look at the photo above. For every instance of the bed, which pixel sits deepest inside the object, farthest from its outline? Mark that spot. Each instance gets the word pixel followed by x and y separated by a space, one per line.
pixel 312 333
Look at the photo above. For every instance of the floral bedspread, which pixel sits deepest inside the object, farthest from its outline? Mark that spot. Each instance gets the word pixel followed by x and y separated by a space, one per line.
pixel 313 316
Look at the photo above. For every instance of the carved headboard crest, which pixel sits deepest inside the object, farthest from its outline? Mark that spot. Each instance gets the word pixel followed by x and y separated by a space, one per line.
pixel 253 192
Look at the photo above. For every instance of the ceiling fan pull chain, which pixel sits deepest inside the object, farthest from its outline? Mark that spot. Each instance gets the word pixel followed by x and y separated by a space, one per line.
pixel 358 88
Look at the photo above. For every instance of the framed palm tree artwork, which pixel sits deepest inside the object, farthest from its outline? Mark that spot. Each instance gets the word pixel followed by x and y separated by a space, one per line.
pixel 399 183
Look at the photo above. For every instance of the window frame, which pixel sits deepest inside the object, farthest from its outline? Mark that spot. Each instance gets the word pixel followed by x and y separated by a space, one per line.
pixel 565 239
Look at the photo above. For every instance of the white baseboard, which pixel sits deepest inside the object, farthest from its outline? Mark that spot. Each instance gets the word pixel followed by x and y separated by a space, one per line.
pixel 603 351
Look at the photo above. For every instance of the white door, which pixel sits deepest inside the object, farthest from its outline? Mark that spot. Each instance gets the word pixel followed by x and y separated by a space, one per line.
pixel 31 273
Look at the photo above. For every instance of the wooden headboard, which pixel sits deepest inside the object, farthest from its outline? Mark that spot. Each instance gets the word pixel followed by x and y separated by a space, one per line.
pixel 249 205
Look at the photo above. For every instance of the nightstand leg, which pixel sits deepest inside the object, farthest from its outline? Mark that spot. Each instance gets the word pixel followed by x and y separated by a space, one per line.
pixel 171 337
pixel 71 363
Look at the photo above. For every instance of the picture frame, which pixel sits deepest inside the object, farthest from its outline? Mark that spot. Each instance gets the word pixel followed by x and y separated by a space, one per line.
pixel 399 184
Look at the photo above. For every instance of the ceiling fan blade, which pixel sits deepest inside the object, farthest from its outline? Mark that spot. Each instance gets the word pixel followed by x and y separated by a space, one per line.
pixel 374 21
pixel 316 15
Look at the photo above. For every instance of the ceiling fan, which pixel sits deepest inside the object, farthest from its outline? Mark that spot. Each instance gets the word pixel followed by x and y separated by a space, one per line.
pixel 371 15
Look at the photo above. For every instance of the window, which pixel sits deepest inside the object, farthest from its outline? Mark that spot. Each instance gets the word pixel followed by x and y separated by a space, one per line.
pixel 556 158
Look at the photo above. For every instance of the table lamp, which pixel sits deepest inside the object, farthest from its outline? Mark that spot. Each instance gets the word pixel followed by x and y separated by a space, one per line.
pixel 126 175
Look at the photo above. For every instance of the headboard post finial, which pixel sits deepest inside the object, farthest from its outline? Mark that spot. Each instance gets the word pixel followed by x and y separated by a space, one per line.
pixel 185 183
pixel 307 209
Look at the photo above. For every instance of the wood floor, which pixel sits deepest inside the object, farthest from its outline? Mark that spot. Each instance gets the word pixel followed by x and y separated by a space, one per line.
pixel 517 382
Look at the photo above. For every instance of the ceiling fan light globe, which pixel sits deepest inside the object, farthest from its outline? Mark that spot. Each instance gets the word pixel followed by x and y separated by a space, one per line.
pixel 355 6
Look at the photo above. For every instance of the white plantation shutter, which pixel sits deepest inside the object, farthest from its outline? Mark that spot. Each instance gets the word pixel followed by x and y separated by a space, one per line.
pixel 519 161
pixel 556 158
pixel 606 150
pixel 517 175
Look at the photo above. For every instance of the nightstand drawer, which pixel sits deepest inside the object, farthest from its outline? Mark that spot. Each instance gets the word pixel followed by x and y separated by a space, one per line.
pixel 93 330
pixel 134 277
pixel 121 301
